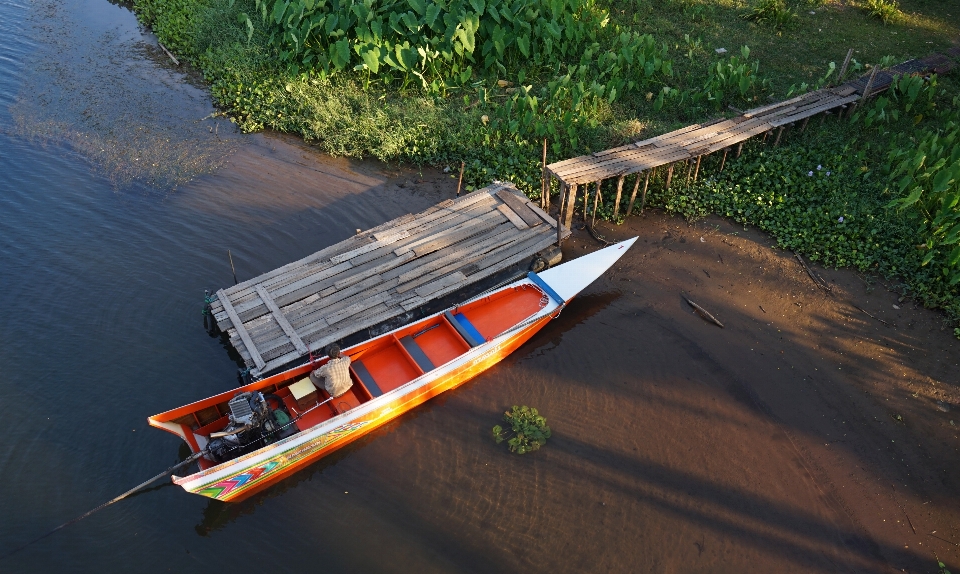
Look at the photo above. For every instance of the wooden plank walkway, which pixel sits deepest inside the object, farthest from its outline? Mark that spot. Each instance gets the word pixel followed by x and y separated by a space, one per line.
pixel 696 141
pixel 380 274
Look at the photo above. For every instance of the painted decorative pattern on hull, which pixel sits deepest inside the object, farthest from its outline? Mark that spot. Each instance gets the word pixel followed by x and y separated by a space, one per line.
pixel 239 483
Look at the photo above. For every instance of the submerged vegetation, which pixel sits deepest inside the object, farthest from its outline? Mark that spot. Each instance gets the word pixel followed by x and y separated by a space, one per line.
pixel 527 431
pixel 486 81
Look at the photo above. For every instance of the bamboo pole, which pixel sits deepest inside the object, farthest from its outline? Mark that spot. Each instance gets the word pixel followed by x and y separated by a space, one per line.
pixel 689 171
pixel 739 149
pixel 696 172
pixel 545 181
pixel 776 143
pixel 463 165
pixel 643 198
pixel 666 186
pixel 866 90
pixel 803 126
pixel 616 203
pixel 586 200
pixel 846 62
pixel 633 196
pixel 596 199
pixel 724 160
pixel 560 215
pixel 232 268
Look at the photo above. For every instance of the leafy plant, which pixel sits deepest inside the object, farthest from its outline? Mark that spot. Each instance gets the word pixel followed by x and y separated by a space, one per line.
pixel 886 10
pixel 527 431
pixel 773 12
pixel 734 76
pixel 929 176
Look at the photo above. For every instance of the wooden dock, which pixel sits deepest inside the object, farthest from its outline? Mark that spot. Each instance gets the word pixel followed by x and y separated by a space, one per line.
pixel 380 274
pixel 692 143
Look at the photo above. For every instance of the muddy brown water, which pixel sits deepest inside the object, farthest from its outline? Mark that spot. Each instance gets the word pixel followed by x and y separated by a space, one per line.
pixel 804 437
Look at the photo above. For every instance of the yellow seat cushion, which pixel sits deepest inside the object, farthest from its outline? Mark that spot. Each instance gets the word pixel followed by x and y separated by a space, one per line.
pixel 302 388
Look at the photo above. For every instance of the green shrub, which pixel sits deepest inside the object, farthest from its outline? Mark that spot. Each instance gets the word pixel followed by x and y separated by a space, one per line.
pixel 886 10
pixel 773 12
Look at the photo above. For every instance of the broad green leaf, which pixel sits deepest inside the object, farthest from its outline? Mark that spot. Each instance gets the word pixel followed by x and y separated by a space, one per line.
pixel 279 7
pixel 433 11
pixel 523 43
pixel 418 5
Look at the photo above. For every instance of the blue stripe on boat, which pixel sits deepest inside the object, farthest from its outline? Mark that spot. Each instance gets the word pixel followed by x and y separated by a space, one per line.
pixel 546 288
pixel 466 329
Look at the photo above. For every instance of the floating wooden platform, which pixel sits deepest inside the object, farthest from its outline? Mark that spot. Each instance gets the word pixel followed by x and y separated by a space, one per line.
pixel 380 274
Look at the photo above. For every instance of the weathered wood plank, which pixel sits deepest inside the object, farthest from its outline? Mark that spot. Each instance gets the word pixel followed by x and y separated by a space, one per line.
pixel 468 250
pixel 282 320
pixel 434 286
pixel 241 331
pixel 512 216
pixel 387 239
pixel 519 206
pixel 469 227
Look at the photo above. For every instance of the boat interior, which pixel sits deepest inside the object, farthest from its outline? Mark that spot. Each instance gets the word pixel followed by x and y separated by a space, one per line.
pixel 377 366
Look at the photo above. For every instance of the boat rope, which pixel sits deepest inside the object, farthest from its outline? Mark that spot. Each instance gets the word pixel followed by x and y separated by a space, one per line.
pixel 140 486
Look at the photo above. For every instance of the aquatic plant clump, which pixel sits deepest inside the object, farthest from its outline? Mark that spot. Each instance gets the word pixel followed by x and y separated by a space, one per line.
pixel 527 431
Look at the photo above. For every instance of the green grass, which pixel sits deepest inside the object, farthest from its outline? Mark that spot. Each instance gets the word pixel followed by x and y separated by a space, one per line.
pixel 624 70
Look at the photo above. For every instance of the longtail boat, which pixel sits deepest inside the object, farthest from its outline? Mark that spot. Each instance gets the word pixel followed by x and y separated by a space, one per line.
pixel 253 436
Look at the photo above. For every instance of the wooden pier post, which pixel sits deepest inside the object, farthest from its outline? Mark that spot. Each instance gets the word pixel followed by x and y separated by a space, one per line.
pixel 696 172
pixel 739 149
pixel 560 214
pixel 803 126
pixel 596 200
pixel 586 200
pixel 571 204
pixel 643 198
pixel 633 196
pixel 776 142
pixel 846 62
pixel 866 90
pixel 724 160
pixel 689 171
pixel 545 181
pixel 460 181
pixel 666 186
pixel 616 203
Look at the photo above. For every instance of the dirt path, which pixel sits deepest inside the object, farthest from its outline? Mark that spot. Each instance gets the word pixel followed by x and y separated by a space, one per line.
pixel 805 435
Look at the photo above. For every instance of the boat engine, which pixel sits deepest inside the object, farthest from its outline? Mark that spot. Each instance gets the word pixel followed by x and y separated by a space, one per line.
pixel 253 424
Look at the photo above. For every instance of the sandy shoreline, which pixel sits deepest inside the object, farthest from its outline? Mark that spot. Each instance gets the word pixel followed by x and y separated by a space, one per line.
pixel 823 428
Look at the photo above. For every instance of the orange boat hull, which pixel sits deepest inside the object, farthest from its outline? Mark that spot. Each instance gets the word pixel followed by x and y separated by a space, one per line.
pixel 249 480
